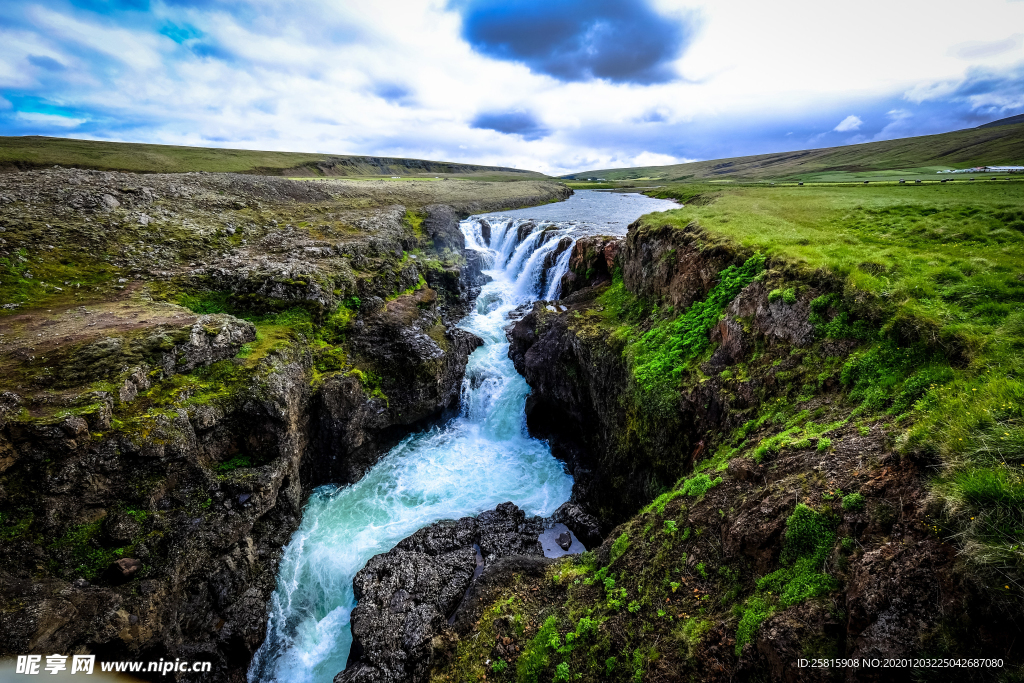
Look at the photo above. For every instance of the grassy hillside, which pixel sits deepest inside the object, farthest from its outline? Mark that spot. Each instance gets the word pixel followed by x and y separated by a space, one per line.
pixel 925 285
pixel 22 153
pixel 910 158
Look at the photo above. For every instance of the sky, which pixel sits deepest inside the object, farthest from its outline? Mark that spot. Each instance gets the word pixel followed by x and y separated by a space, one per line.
pixel 550 85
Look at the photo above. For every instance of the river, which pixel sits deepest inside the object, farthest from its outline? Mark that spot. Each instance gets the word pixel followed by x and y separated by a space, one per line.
pixel 479 459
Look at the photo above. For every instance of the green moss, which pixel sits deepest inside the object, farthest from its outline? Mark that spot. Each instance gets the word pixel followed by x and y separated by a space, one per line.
pixel 619 547
pixel 537 653
pixel 659 356
pixel 853 502
pixel 698 484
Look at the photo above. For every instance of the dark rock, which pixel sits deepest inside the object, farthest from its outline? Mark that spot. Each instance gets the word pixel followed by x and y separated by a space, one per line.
pixel 124 569
pixel 485 231
pixel 564 540
pixel 121 528
pixel 743 469
pixel 442 224
pixel 406 595
pixel 586 527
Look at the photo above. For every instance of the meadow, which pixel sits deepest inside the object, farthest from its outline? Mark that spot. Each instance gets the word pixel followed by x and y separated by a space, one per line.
pixel 918 157
pixel 23 153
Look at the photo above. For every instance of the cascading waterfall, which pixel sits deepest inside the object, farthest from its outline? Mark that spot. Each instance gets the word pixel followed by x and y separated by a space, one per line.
pixel 480 459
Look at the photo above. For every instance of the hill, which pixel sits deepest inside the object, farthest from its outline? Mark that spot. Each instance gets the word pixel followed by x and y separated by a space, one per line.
pixel 24 153
pixel 909 157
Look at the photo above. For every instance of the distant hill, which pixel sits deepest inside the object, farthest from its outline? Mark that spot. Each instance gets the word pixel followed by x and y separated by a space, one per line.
pixel 23 153
pixel 999 142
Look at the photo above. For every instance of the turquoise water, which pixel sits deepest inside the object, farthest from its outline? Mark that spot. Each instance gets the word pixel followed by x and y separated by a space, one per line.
pixel 480 459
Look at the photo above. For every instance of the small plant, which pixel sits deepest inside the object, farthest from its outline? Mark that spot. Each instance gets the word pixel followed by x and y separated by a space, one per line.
pixel 853 502
pixel 789 296
pixel 824 443
pixel 609 665
pixel 561 672
pixel 774 295
pixel 633 607
pixel 670 526
pixel 499 666
pixel 702 570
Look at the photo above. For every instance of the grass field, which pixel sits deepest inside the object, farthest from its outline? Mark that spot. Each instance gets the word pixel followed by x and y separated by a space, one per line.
pixel 22 153
pixel 938 270
pixel 911 158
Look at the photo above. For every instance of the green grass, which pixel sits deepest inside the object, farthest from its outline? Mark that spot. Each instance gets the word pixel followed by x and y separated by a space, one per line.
pixel 660 354
pixel 930 280
pixel 890 160
pixel 43 152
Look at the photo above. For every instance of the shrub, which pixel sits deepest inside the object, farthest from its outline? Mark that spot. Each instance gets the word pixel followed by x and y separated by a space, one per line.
pixel 789 296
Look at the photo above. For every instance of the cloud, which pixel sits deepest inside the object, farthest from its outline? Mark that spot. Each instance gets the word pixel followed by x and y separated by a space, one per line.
pixel 976 49
pixel 391 92
pixel 851 122
pixel 981 89
pixel 656 159
pixel 44 62
pixel 579 40
pixel 49 120
pixel 515 122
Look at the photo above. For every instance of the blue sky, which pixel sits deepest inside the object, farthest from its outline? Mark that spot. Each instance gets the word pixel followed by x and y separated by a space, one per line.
pixel 551 85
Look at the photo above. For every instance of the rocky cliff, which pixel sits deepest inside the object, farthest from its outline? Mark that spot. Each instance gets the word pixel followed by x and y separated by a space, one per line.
pixel 184 358
pixel 704 397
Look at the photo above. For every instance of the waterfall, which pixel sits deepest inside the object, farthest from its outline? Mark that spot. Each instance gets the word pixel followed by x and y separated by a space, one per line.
pixel 560 268
pixel 480 459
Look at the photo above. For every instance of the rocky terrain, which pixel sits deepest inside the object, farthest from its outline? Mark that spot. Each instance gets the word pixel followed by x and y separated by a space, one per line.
pixel 763 516
pixel 182 359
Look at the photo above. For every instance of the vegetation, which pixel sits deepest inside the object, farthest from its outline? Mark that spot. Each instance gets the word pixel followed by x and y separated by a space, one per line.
pixel 44 152
pixel 929 280
pixel 910 158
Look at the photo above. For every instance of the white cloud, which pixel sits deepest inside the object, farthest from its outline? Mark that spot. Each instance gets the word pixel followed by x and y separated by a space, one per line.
pixel 318 64
pixel 49 120
pixel 851 122
pixel 656 159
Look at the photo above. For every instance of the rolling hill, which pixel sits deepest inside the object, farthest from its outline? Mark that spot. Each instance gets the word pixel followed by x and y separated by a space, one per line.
pixel 999 142
pixel 23 153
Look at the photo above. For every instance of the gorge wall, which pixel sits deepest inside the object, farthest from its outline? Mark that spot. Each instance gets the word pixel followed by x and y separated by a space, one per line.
pixel 762 515
pixel 185 358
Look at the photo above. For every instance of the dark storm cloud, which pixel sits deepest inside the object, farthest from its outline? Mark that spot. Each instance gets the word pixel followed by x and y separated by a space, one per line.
pixel 623 41
pixel 519 123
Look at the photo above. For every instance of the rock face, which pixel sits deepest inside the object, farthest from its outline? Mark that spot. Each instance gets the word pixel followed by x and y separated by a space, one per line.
pixel 155 460
pixel 407 594
pixel 897 584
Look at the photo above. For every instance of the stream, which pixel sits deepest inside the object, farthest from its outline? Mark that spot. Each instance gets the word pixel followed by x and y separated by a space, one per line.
pixel 479 459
